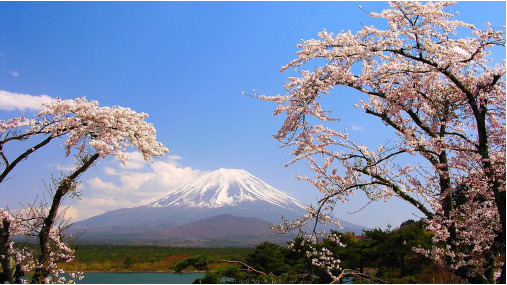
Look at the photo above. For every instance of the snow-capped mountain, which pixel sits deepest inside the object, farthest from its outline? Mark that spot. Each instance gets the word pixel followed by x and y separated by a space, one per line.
pixel 226 187
pixel 224 191
pixel 217 194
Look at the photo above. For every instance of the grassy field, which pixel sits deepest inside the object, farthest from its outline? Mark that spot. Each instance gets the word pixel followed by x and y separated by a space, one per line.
pixel 126 258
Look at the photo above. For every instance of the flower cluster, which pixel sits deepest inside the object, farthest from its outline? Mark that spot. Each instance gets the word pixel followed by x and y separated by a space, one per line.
pixel 109 130
pixel 26 223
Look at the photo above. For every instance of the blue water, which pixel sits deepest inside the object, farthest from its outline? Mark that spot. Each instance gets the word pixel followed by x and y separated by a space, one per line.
pixel 150 278
pixel 139 278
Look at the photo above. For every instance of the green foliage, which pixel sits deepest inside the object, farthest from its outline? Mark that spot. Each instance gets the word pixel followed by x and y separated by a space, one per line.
pixel 387 254
pixel 269 258
pixel 300 266
pixel 130 258
pixel 198 262
pixel 209 278
pixel 128 262
pixel 395 249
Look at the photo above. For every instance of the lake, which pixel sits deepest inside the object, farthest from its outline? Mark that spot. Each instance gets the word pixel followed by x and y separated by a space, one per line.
pixel 139 278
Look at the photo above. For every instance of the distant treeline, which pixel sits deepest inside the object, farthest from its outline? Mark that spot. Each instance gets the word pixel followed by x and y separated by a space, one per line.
pixel 375 256
pixel 142 258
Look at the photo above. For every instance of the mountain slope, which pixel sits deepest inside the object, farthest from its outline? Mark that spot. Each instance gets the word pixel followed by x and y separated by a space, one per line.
pixel 218 231
pixel 221 226
pixel 219 194
pixel 224 191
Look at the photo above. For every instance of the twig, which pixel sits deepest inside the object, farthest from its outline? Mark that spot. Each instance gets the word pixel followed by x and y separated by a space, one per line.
pixel 244 264
pixel 349 272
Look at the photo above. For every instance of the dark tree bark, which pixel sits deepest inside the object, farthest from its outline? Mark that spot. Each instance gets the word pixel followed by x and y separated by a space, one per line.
pixel 65 186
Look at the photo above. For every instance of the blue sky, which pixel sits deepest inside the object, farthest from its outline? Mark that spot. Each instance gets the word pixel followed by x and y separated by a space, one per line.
pixel 186 64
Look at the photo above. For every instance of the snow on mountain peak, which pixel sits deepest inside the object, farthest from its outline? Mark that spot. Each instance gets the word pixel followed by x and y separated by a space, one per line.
pixel 225 187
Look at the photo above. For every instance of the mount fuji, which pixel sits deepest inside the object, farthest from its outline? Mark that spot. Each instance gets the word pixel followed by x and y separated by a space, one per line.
pixel 191 212
pixel 227 187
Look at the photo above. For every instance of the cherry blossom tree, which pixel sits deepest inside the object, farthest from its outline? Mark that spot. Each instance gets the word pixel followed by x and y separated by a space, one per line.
pixel 93 132
pixel 445 100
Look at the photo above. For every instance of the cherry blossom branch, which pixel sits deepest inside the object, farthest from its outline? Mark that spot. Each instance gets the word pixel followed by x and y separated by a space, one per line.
pixel 10 166
pixel 249 268
pixel 399 192
pixel 46 234
pixel 348 272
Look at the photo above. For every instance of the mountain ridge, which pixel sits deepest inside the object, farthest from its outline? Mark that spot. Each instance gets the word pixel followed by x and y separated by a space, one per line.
pixel 194 210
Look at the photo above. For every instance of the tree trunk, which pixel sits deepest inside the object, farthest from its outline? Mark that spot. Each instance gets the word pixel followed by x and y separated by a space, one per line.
pixel 402 265
pixel 43 271
pixel 361 262
pixel 7 260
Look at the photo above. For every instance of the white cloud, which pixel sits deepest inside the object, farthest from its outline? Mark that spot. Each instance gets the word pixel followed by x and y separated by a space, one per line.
pixel 355 127
pixel 134 180
pixel 14 73
pixel 170 175
pixel 135 160
pixel 11 101
pixel 97 183
pixel 71 213
pixel 110 171
pixel 121 186
pixel 62 167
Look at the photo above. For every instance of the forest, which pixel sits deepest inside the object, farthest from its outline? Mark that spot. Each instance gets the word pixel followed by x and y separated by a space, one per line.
pixel 376 256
